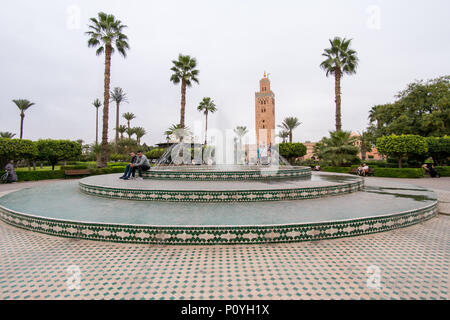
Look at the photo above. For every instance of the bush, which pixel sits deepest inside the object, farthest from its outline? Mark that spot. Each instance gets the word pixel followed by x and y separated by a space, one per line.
pixel 443 171
pixel 59 174
pixel 399 172
pixel 39 175
pixel 155 153
pixel 292 150
pixel 337 169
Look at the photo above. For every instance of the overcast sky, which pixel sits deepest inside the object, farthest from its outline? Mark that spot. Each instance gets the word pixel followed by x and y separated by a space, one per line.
pixel 44 58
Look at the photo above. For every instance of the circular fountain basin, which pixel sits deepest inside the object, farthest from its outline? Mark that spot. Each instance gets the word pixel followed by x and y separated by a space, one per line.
pixel 226 172
pixel 60 209
pixel 316 186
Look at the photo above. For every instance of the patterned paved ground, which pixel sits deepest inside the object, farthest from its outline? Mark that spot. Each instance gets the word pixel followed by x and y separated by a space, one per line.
pixel 413 263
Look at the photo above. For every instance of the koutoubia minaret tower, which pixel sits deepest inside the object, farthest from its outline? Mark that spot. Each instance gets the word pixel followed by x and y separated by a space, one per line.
pixel 265 113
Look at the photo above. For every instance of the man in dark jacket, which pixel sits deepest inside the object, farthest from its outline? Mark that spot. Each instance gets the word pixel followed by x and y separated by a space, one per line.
pixel 130 170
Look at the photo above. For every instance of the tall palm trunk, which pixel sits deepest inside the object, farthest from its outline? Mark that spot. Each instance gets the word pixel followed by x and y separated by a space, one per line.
pixel 206 127
pixel 117 125
pixel 104 155
pixel 337 90
pixel 22 115
pixel 290 136
pixel 96 127
pixel 183 102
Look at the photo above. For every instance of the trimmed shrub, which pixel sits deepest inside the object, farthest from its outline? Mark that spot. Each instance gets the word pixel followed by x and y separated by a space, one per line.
pixel 39 175
pixel 399 172
pixel 443 171
pixel 59 174
pixel 337 169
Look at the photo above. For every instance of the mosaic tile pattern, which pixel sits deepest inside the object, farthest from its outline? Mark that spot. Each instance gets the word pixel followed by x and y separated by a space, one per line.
pixel 253 173
pixel 222 195
pixel 197 235
pixel 413 264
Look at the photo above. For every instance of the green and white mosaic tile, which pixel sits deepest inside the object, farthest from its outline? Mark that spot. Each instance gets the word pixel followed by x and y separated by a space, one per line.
pixel 413 264
pixel 253 173
pixel 222 195
pixel 195 235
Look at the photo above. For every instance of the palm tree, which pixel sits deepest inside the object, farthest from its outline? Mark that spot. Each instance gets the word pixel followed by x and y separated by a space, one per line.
pixel 130 132
pixel 122 129
pixel 106 34
pixel 139 132
pixel 365 143
pixel 129 116
pixel 240 131
pixel 118 96
pixel 289 124
pixel 207 105
pixel 6 134
pixel 184 71
pixel 340 60
pixel 339 148
pixel 178 131
pixel 97 104
pixel 284 135
pixel 22 104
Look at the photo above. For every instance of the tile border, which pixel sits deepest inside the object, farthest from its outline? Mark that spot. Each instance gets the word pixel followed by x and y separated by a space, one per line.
pixel 217 235
pixel 253 173
pixel 221 196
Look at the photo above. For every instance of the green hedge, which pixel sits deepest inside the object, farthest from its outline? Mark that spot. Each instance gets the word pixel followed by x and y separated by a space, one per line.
pixel 337 169
pixel 443 171
pixel 59 174
pixel 39 175
pixel 399 173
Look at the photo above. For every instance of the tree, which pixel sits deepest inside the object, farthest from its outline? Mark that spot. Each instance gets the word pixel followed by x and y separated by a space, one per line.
pixel 184 71
pixel 240 131
pixel 284 135
pixel 118 96
pixel 139 132
pixel 423 108
pixel 106 34
pixel 22 104
pixel 207 106
pixel 129 116
pixel 401 146
pixel 439 149
pixel 130 132
pixel 16 149
pixel 122 129
pixel 339 148
pixel 340 60
pixel 291 150
pixel 289 124
pixel 365 143
pixel 57 150
pixel 97 104
pixel 7 134
pixel 178 132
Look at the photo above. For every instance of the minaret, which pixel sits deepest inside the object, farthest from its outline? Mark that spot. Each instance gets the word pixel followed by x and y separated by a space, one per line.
pixel 265 113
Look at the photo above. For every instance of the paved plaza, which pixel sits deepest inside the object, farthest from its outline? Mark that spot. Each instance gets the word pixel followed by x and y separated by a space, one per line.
pixel 408 263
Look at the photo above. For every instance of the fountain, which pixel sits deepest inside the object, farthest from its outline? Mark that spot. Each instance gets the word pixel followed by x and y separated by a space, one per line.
pixel 179 204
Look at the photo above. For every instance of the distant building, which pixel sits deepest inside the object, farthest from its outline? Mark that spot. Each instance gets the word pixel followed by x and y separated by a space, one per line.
pixel 265 113
pixel 372 155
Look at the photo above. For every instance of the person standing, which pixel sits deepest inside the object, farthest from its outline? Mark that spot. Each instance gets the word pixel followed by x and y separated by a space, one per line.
pixel 12 176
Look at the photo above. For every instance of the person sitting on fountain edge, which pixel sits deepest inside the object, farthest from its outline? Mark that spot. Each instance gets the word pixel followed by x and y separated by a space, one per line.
pixel 141 164
pixel 129 170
